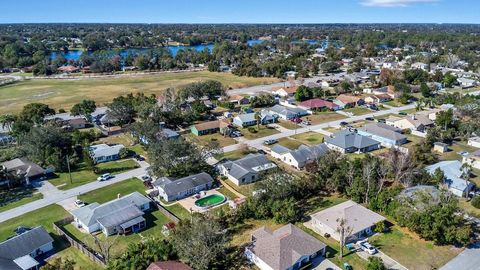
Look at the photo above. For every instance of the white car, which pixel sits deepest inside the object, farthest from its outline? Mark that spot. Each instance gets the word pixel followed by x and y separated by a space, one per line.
pixel 365 246
pixel 79 203
pixel 104 177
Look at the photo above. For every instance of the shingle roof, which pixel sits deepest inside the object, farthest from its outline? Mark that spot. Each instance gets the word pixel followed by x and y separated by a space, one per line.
pixel 22 245
pixel 347 139
pixel 384 131
pixel 279 149
pixel 282 110
pixel 247 117
pixel 357 217
pixel 281 248
pixel 173 187
pixel 113 212
pixel 252 163
pixel 452 172
pixel 105 150
pixel 23 166
pixel 317 103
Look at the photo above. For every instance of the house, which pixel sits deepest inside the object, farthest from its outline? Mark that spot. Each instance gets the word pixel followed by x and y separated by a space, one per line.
pixel 474 141
pixel 473 159
pixel 467 83
pixel 5 137
pixel 318 104
pixel 20 252
pixel 168 265
pixel 440 147
pixel 287 113
pixel 250 119
pixel 209 127
pixel 22 168
pixel 414 122
pixel 104 152
pixel 120 216
pixel 170 189
pixel 246 170
pixel 387 90
pixel 284 91
pixel 285 248
pixel 68 69
pixel 330 83
pixel 66 119
pixel 453 181
pixel 346 141
pixel 348 101
pixel 239 99
pixel 360 220
pixel 387 135
pixel 420 65
pixel 375 99
pixel 301 156
pixel 431 114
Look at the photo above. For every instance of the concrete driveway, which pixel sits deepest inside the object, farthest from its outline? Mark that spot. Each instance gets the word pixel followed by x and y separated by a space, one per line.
pixel 390 263
pixel 321 263
pixel 469 259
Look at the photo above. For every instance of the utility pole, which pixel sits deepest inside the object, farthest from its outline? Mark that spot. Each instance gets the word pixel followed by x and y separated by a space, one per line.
pixel 69 172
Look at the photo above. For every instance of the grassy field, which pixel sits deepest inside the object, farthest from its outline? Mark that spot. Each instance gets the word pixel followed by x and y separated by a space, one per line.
pixel 310 138
pixel 323 117
pixel 234 155
pixel 109 193
pixel 394 103
pixel 179 211
pixel 83 176
pixel 358 110
pixel 412 252
pixel 225 191
pixel 261 132
pixel 289 143
pixel 288 124
pixel 206 139
pixel 454 149
pixel 65 93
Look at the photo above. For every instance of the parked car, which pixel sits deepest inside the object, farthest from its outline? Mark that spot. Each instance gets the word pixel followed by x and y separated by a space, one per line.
pixel 370 119
pixel 270 142
pixel 367 247
pixel 79 203
pixel 381 121
pixel 296 120
pixel 402 113
pixel 105 177
pixel 21 229
pixel 260 151
pixel 343 123
pixel 139 158
pixel 146 178
pixel 347 266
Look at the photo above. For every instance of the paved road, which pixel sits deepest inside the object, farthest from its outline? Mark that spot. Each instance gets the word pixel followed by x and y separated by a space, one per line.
pixel 267 87
pixel 59 195
pixel 469 259
pixel 257 143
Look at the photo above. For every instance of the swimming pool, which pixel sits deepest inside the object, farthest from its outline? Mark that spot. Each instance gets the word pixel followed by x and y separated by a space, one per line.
pixel 209 201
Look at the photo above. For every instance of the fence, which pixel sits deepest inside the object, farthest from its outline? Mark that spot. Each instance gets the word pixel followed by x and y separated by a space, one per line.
pixel 164 211
pixel 93 255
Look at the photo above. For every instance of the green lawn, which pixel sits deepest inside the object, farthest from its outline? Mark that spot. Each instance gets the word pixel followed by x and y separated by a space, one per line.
pixel 409 111
pixel 206 139
pixel 225 191
pixel 82 262
pixel 261 132
pixel 289 143
pixel 288 124
pixel 83 176
pixel 65 93
pixel 323 117
pixel 310 138
pixel 234 155
pixel 245 190
pixel 412 252
pixel 454 149
pixel 468 207
pixel 178 211
pixel 358 110
pixel 394 103
pixel 22 201
pixel 110 192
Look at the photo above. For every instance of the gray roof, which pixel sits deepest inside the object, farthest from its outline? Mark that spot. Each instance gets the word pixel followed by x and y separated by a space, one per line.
pixel 112 213
pixel 279 149
pixel 384 131
pixel 247 117
pixel 62 117
pixel 105 150
pixel 281 248
pixel 23 167
pixel 173 187
pixel 357 217
pixel 21 245
pixel 252 163
pixel 305 153
pixel 169 133
pixel 282 110
pixel 347 139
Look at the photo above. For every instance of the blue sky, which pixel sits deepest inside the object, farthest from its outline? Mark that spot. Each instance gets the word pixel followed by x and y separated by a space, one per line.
pixel 241 11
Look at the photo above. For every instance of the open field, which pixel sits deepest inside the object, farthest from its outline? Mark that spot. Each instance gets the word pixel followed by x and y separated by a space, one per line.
pixel 358 110
pixel 206 139
pixel 412 252
pixel 65 93
pixel 323 117
pixel 261 132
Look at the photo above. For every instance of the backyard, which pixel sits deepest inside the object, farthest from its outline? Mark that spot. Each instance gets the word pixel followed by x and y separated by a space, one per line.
pixel 82 175
pixel 65 93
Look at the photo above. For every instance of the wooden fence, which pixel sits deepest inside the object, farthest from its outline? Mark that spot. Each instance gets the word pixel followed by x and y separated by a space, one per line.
pixel 165 211
pixel 90 253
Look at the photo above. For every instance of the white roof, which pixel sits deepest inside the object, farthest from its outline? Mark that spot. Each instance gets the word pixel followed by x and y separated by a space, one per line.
pixel 26 262
pixel 105 150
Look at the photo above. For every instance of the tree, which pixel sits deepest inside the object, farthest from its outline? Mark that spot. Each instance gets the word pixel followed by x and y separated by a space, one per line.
pixel 7 120
pixel 425 90
pixel 121 110
pixel 345 231
pixel 375 263
pixel 105 245
pixel 201 242
pixel 449 79
pixel 445 119
pixel 35 112
pixel 85 108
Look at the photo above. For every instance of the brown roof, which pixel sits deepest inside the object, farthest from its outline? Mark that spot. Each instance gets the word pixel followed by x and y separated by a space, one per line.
pixel 236 97
pixel 77 121
pixel 168 265
pixel 347 99
pixel 212 125
pixel 289 90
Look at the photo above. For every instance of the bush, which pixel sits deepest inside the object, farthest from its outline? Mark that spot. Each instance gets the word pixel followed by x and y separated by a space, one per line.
pixel 476 202
pixel 379 227
pixel 375 263
pixel 252 130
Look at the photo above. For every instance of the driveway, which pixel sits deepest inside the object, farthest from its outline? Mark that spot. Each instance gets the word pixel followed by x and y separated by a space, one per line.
pixel 321 263
pixel 390 263
pixel 469 259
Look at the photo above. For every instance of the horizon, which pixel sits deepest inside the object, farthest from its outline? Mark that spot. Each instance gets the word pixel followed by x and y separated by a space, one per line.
pixel 245 12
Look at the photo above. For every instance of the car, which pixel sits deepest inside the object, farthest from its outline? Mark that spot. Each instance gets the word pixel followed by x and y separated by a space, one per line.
pixel 296 120
pixel 343 123
pixel 270 142
pixel 79 203
pixel 347 266
pixel 367 247
pixel 139 158
pixel 261 151
pixel 104 177
pixel 370 119
pixel 381 121
pixel 402 113
pixel 146 178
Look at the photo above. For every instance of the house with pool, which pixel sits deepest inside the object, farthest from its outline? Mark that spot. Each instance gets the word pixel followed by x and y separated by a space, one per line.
pixel 246 170
pixel 285 248
pixel 170 189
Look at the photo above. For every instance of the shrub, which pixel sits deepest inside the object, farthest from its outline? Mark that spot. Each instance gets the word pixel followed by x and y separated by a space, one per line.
pixel 252 130
pixel 476 202
pixel 379 227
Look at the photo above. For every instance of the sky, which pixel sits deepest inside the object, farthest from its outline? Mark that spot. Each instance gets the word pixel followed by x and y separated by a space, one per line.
pixel 240 11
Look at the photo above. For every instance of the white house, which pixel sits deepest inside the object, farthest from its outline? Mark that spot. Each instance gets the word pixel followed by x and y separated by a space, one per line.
pixel 453 172
pixel 246 170
pixel 104 152
pixel 467 83
pixel 360 219
pixel 301 156
pixel 170 189
pixel 474 141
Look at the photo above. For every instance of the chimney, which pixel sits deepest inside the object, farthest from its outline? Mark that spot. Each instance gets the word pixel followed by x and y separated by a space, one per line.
pixel 118 196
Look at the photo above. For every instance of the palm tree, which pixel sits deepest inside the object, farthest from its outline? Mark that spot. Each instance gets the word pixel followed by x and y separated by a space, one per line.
pixel 466 169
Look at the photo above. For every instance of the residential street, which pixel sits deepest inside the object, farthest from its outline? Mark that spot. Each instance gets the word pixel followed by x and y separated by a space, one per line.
pixel 267 87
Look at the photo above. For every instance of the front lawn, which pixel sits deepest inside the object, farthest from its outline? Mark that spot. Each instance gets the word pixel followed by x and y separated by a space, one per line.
pixel 261 132
pixel 289 143
pixel 358 110
pixel 234 155
pixel 111 192
pixel 412 252
pixel 82 175
pixel 394 103
pixel 323 117
pixel 288 124
pixel 207 139
pixel 310 138
pixel 17 196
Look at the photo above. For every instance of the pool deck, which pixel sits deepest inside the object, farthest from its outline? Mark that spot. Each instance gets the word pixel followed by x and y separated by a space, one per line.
pixel 189 203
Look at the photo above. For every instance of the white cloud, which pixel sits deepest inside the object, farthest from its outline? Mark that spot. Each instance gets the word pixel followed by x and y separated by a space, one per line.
pixel 394 3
